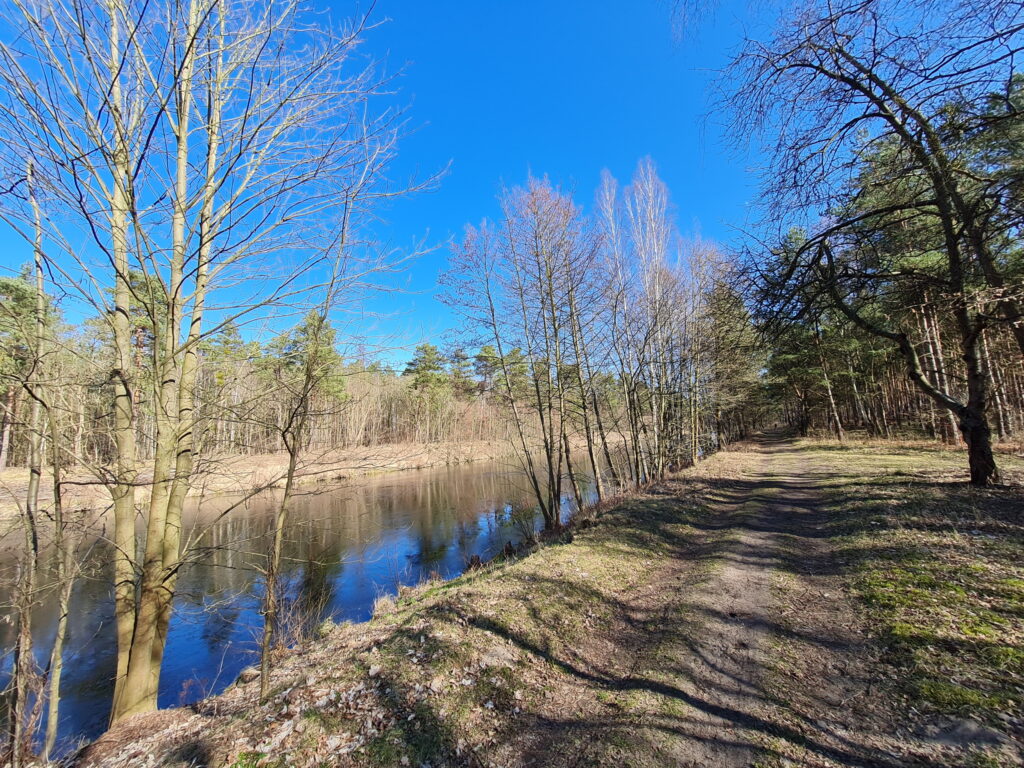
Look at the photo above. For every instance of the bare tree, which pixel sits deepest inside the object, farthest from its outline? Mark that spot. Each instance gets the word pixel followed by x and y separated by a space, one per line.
pixel 520 305
pixel 605 315
pixel 193 144
pixel 867 107
pixel 354 269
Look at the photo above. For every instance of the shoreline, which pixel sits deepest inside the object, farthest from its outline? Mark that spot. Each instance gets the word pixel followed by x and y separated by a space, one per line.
pixel 240 474
pixel 619 621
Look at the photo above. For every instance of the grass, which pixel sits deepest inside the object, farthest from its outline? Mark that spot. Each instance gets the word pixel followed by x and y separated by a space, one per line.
pixel 578 652
pixel 937 564
pixel 250 760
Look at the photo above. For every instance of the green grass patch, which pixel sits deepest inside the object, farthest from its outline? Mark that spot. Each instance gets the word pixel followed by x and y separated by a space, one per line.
pixel 937 564
pixel 254 760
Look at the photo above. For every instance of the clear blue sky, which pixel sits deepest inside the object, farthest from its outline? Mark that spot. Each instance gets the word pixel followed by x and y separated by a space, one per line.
pixel 558 87
pixel 564 88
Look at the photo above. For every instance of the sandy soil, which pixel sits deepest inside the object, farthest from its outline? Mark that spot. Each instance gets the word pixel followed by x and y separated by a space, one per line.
pixel 234 474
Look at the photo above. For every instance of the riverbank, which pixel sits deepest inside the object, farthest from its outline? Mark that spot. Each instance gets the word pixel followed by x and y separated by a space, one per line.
pixel 232 475
pixel 784 603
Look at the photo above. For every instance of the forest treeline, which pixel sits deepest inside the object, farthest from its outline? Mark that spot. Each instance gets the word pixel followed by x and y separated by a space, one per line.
pixel 187 175
pixel 438 397
pixel 895 270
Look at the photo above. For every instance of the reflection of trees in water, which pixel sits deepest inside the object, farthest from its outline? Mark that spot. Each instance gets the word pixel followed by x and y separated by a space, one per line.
pixel 220 622
pixel 317 589
pixel 460 507
pixel 90 660
pixel 433 504
pixel 436 518
pixel 430 551
pixel 468 533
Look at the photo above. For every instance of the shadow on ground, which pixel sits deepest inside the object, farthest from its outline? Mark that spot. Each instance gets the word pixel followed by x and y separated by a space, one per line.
pixel 596 652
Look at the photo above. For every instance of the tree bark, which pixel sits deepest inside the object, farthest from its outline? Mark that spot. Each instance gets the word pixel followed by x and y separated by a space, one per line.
pixel 7 421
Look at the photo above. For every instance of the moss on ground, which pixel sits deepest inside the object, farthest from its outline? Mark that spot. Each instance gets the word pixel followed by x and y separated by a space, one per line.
pixel 937 564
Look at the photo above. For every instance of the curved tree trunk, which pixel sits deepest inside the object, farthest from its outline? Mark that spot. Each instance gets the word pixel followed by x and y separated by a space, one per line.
pixel 978 436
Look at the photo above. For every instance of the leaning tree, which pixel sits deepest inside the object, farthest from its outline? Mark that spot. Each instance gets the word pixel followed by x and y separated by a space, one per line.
pixel 871 111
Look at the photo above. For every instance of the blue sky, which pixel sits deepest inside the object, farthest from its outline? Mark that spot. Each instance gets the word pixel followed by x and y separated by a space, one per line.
pixel 564 88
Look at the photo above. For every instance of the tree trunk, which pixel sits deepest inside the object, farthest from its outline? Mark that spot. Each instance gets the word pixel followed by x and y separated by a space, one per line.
pixel 695 412
pixel 271 601
pixel 65 581
pixel 122 488
pixel 837 422
pixel 23 668
pixel 5 431
pixel 978 436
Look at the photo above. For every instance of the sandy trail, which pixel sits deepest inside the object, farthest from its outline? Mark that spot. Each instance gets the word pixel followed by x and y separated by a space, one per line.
pixel 755 636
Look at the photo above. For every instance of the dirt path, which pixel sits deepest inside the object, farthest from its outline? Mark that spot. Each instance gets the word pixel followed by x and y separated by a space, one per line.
pixel 745 640
pixel 709 622
pixel 721 664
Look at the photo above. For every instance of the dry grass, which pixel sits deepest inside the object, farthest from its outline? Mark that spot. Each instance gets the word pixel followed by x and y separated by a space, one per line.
pixel 571 655
pixel 238 474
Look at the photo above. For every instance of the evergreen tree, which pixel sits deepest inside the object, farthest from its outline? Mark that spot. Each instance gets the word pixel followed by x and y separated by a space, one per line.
pixel 427 368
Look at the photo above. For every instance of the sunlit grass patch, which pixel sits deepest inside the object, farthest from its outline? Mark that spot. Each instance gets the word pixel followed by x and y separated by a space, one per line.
pixel 938 566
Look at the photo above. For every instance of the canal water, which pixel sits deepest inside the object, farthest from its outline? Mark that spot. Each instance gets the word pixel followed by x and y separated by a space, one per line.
pixel 346 546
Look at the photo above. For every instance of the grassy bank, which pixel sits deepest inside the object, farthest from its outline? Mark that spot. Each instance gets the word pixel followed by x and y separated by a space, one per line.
pixel 504 662
pixel 938 566
pixel 812 604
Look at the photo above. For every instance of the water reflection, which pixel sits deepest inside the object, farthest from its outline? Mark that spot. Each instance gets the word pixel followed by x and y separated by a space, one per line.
pixel 345 547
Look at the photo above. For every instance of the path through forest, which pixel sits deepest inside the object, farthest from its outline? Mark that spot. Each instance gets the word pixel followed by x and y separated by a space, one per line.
pixel 743 647
pixel 770 589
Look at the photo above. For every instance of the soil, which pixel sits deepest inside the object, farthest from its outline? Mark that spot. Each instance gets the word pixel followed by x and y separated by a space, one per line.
pixel 238 474
pixel 711 621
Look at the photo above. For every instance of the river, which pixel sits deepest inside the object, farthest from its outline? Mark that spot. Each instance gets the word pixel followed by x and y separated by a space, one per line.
pixel 346 546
